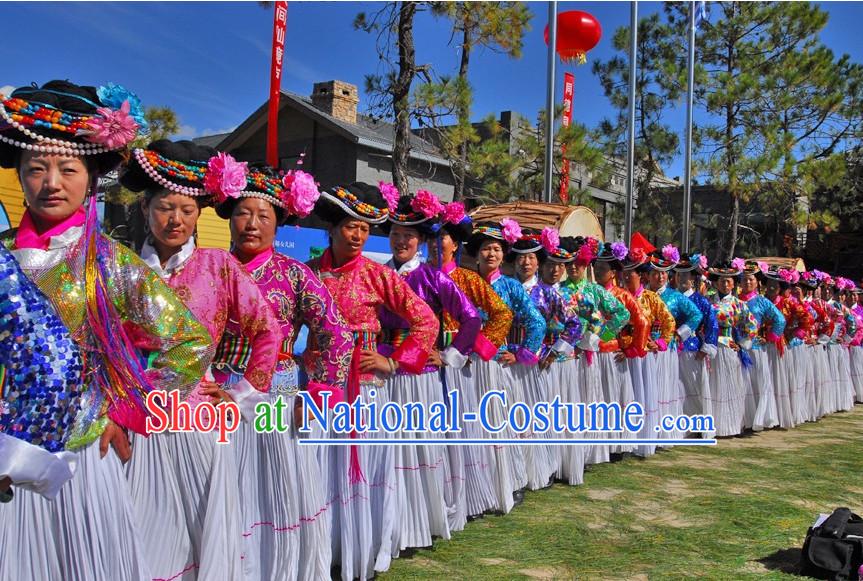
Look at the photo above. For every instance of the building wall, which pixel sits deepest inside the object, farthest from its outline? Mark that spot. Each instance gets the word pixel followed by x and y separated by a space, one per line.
pixel 328 155
pixel 374 166
pixel 11 197
pixel 213 232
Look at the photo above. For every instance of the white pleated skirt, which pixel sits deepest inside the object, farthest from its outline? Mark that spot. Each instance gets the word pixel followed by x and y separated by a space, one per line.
pixel 695 376
pixel 728 391
pixel 89 531
pixel 843 389
pixel 564 384
pixel 644 376
pixel 672 394
pixel 788 372
pixel 491 376
pixel 184 489
pixel 471 490
pixel 760 408
pixel 364 513
pixel 824 385
pixel 540 462
pixel 420 470
pixel 616 388
pixel 590 381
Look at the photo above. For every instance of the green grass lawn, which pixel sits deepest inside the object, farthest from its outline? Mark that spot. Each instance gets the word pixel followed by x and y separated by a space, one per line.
pixel 738 510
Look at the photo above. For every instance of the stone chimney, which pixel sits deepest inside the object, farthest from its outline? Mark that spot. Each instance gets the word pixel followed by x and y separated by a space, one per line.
pixel 336 98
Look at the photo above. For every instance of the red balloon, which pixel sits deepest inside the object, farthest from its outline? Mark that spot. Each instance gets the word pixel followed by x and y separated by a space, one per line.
pixel 577 33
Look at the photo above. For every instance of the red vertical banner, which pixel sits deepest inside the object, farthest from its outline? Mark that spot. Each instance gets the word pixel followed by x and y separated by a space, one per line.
pixel 280 24
pixel 568 92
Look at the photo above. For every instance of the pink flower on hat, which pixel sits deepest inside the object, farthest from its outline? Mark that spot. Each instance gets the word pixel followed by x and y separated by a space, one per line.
pixel 702 262
pixel 738 264
pixel 390 193
pixel 762 266
pixel 226 177
pixel 427 204
pixel 795 277
pixel 785 275
pixel 550 239
pixel 113 128
pixel 670 253
pixel 300 193
pixel 453 213
pixel 510 229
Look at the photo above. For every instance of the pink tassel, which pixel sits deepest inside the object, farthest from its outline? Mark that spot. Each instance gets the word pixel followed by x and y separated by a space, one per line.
pixel 355 471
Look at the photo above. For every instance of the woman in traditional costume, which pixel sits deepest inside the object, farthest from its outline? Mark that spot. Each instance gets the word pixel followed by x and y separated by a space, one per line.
pixel 361 287
pixel 737 329
pixel 602 317
pixel 700 347
pixel 539 269
pixel 792 370
pixel 60 137
pixel 687 318
pixel 769 344
pixel 484 488
pixel 287 517
pixel 489 244
pixel 853 301
pixel 644 370
pixel 630 342
pixel 421 470
pixel 195 472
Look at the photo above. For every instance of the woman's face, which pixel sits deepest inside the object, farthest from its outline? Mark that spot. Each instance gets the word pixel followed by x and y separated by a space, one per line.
pixel 575 271
pixel 772 289
pixel 657 279
pixel 490 256
pixel 404 242
pixel 551 271
pixel 54 185
pixel 796 292
pixel 447 249
pixel 349 237
pixel 253 226
pixel 725 285
pixel 632 280
pixel 684 281
pixel 602 272
pixel 526 265
pixel 172 219
pixel 748 283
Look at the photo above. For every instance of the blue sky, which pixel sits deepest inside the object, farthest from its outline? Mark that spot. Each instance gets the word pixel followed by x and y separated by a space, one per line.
pixel 210 61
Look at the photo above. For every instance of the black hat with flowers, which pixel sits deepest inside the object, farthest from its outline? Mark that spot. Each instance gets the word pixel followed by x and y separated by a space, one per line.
pixel 356 201
pixel 507 232
pixel 176 166
pixel 293 193
pixel 419 211
pixel 75 120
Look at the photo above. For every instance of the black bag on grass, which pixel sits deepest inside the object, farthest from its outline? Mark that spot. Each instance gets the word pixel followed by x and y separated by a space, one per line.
pixel 834 549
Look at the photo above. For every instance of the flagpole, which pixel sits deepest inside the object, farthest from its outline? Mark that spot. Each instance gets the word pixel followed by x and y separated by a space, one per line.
pixel 687 169
pixel 630 150
pixel 549 102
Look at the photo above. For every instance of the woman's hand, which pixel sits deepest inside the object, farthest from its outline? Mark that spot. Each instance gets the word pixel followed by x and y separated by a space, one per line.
pixel 548 360
pixel 507 358
pixel 372 361
pixel 652 346
pixel 620 356
pixel 118 439
pixel 5 484
pixel 215 391
pixel 434 359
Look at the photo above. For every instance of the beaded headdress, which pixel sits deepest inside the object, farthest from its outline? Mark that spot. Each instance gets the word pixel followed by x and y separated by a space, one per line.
pixel 63 118
pixel 359 200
